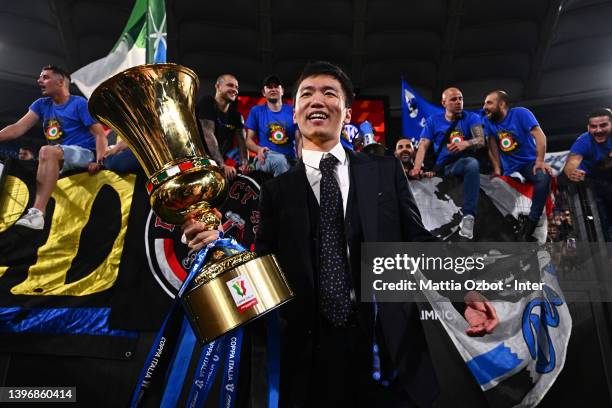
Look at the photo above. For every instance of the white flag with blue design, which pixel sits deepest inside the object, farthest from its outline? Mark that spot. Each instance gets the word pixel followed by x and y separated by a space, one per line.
pixel 143 41
pixel 533 335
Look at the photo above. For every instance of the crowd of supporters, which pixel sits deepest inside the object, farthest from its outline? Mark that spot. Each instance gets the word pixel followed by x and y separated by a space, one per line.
pixel 504 141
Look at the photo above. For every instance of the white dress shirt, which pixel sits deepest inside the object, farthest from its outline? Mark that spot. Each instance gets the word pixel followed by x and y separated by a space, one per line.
pixel 312 158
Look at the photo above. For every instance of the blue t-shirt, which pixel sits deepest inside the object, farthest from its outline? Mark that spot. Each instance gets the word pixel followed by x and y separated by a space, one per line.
pixel 591 151
pixel 516 145
pixel 436 127
pixel 275 130
pixel 66 124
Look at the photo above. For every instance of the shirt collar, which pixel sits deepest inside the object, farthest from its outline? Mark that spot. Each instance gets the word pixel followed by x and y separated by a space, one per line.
pixel 312 158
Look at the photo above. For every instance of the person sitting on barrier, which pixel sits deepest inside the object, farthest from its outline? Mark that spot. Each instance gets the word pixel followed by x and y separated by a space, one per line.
pixel 119 158
pixel 222 126
pixel 455 134
pixel 591 155
pixel 271 123
pixel 516 138
pixel 75 139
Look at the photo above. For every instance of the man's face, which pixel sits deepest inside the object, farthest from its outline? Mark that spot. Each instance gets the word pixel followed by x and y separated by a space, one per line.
pixel 50 82
pixel 492 108
pixel 404 150
pixel 320 110
pixel 228 89
pixel 272 92
pixel 25 154
pixel 452 100
pixel 599 127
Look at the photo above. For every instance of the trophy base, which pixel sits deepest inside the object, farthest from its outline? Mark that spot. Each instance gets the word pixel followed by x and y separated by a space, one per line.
pixel 235 297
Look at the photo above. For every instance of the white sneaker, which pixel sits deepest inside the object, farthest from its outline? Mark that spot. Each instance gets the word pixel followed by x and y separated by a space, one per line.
pixel 33 219
pixel 467 227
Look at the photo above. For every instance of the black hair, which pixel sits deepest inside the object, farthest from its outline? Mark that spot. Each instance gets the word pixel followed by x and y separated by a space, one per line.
pixel 327 68
pixel 57 70
pixel 599 112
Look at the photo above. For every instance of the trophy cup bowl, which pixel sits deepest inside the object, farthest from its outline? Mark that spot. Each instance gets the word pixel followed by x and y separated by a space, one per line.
pixel 151 107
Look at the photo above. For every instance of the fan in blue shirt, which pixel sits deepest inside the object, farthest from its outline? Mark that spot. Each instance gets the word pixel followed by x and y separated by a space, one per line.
pixel 515 138
pixel 591 147
pixel 591 155
pixel 75 139
pixel 272 124
pixel 454 133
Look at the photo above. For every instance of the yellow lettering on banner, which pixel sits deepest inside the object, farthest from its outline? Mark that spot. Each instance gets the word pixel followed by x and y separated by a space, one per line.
pixel 74 197
pixel 14 200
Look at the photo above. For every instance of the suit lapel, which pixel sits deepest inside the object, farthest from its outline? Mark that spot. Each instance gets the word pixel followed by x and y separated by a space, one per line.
pixel 295 191
pixel 364 183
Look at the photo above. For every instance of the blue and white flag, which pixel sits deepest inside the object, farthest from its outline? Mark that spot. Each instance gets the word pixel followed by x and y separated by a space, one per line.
pixel 534 332
pixel 533 335
pixel 143 41
pixel 415 111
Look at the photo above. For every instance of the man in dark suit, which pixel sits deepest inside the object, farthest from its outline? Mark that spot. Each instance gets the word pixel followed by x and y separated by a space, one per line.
pixel 314 218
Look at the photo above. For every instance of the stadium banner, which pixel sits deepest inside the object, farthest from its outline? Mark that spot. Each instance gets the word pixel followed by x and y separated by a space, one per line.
pixel 104 267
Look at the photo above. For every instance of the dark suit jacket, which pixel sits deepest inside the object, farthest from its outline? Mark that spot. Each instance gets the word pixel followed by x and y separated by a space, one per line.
pixel 380 208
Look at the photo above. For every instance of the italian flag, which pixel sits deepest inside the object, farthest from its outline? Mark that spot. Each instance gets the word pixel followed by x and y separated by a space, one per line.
pixel 143 41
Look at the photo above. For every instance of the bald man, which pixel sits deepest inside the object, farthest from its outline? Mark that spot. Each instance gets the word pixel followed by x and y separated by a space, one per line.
pixel 455 134
pixel 223 126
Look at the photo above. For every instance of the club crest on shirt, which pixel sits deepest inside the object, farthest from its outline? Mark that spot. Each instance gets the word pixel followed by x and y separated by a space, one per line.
pixel 456 136
pixel 54 130
pixel 278 135
pixel 507 143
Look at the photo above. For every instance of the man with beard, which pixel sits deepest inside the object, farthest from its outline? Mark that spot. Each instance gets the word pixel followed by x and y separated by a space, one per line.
pixel 222 126
pixel 75 139
pixel 455 133
pixel 271 133
pixel 517 144
pixel 404 151
pixel 589 155
pixel 314 218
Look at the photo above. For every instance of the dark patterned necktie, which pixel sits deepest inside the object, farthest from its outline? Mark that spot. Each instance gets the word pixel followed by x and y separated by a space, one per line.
pixel 334 292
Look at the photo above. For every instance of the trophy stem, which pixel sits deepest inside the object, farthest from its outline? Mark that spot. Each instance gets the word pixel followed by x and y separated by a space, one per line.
pixel 210 217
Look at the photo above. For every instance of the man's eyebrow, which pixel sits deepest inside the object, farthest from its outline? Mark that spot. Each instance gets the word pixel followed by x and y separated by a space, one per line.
pixel 325 88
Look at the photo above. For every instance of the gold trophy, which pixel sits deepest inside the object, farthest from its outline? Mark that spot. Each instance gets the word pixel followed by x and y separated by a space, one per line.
pixel 151 107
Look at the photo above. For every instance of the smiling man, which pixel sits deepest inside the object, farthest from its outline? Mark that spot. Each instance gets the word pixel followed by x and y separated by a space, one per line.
pixel 314 218
pixel 591 147
pixel 404 151
pixel 591 155
pixel 75 139
pixel 271 133
pixel 222 126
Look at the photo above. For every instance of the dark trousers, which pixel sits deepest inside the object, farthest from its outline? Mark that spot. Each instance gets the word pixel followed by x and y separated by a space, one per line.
pixel 541 190
pixel 342 372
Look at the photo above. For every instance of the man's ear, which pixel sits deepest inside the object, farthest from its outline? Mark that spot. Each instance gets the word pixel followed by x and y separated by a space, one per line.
pixel 347 116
